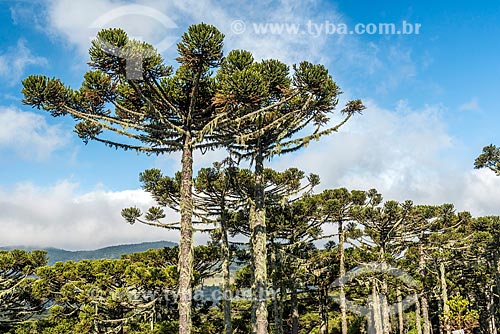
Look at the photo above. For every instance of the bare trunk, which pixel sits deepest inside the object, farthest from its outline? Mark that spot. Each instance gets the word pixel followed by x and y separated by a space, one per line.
pixel 278 328
pixel 425 315
pixel 444 293
pixel 376 318
pixel 441 321
pixel 275 307
pixel 226 255
pixel 259 236
pixel 492 327
pixel 400 312
pixel 186 240
pixel 496 300
pixel 323 311
pixel 295 309
pixel 385 309
pixel 343 305
pixel 281 302
pixel 384 305
pixel 498 274
pixel 424 305
pixel 418 322
pixel 153 318
pixel 253 312
pixel 96 319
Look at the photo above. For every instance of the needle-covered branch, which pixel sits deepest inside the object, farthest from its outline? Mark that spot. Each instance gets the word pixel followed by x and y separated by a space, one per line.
pixel 489 158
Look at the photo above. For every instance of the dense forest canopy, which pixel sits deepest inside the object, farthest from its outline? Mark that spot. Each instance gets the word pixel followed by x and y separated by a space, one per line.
pixel 448 266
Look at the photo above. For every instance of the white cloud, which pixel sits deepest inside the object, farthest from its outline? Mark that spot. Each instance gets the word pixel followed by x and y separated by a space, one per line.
pixel 74 21
pixel 78 22
pixel 29 135
pixel 15 60
pixel 383 65
pixel 59 216
pixel 472 105
pixel 404 154
pixel 480 193
pixel 399 67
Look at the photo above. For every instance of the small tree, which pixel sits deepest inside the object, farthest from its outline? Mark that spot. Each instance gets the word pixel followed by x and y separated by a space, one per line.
pixel 459 315
pixel 490 158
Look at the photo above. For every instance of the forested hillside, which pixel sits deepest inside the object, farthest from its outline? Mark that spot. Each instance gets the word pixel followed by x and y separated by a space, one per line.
pixel 112 252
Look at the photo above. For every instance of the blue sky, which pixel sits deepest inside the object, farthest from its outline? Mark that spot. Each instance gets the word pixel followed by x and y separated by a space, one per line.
pixel 431 98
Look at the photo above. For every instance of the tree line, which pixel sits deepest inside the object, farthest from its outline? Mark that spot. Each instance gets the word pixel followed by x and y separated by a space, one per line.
pixel 450 261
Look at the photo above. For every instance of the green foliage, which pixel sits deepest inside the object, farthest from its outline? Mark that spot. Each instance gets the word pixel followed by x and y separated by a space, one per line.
pixel 460 316
pixel 489 158
pixel 17 302
pixel 256 109
pixel 269 105
pixel 132 92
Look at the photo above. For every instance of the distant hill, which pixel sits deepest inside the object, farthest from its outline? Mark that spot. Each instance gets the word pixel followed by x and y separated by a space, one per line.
pixel 112 252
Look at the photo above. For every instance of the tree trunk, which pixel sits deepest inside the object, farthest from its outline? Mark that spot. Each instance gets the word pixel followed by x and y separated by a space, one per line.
pixel 275 301
pixel 384 305
pixel 278 328
pixel 386 318
pixel 343 306
pixel 96 319
pixel 425 315
pixel 153 318
pixel 376 318
pixel 444 293
pixel 440 321
pixel 492 327
pixel 497 257
pixel 323 311
pixel 424 305
pixel 496 300
pixel 418 323
pixel 295 309
pixel 253 312
pixel 186 239
pixel 259 236
pixel 400 312
pixel 226 256
pixel 281 308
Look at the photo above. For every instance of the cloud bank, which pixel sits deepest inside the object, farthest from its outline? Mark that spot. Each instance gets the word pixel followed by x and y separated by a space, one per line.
pixel 28 134
pixel 60 216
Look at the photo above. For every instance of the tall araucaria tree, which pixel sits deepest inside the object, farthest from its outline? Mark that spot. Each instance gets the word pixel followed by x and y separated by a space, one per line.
pixel 159 111
pixel 220 196
pixel 213 201
pixel 340 207
pixel 275 110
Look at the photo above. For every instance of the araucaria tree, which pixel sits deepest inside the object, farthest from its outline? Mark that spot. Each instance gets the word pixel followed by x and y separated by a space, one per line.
pixel 160 111
pixel 490 158
pixel 17 303
pixel 274 110
pixel 256 109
